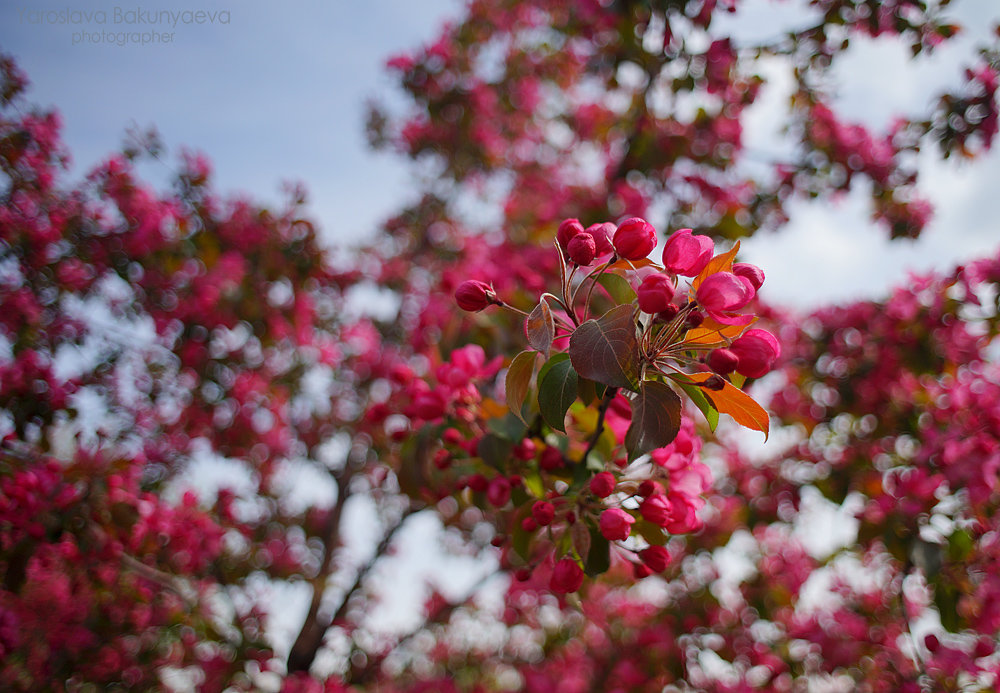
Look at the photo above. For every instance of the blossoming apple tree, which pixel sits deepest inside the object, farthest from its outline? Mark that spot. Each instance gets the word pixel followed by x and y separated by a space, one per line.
pixel 566 377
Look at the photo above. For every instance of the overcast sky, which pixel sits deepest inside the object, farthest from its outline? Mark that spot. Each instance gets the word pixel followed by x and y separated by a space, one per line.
pixel 273 92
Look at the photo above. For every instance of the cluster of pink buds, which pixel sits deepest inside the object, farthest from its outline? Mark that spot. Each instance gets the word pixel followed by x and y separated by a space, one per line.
pixel 604 456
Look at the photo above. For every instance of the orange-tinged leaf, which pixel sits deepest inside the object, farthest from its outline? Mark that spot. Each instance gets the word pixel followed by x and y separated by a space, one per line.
pixel 711 333
pixel 492 409
pixel 738 404
pixel 720 263
pixel 628 265
pixel 518 381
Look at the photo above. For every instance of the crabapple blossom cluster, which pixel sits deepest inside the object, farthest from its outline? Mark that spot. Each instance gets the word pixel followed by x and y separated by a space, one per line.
pixel 602 463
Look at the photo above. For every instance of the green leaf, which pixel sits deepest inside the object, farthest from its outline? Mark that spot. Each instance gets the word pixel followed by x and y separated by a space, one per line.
pixel 654 534
pixel 618 288
pixel 587 390
pixel 556 392
pixel 521 540
pixel 556 358
pixel 581 539
pixel 540 327
pixel 494 450
pixel 656 419
pixel 607 349
pixel 518 381
pixel 703 403
pixel 533 482
pixel 599 557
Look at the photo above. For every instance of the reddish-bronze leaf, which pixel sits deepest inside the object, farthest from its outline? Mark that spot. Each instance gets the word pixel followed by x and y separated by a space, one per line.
pixel 606 350
pixel 656 419
pixel 540 327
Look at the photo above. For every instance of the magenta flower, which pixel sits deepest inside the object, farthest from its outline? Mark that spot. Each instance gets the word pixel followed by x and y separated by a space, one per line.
pixel 634 239
pixel 752 272
pixel 567 576
pixel 655 293
pixel 616 524
pixel 724 292
pixel 656 509
pixel 757 350
pixel 656 558
pixel 686 254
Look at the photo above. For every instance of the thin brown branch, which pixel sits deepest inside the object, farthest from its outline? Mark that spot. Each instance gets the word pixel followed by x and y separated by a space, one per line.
pixel 310 638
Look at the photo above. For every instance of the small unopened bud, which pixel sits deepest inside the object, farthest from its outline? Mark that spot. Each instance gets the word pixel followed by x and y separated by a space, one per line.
pixel 474 295
pixel 602 484
pixel 668 313
pixel 543 513
pixel 723 361
pixel 649 487
pixel 656 557
pixel 581 249
pixel 694 318
pixel 568 230
pixel 714 382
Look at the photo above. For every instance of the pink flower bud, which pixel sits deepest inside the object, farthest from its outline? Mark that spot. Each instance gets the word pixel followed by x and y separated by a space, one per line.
pixel 655 293
pixel 656 558
pixel 668 314
pixel 634 239
pixel 603 484
pixel 723 361
pixel 474 296
pixel 567 576
pixel 649 487
pixel 656 509
pixel 551 459
pixel 569 229
pixel 478 483
pixel 615 524
pixel 543 512
pixel 694 318
pixel 581 249
pixel 723 292
pixel 687 254
pixel 525 449
pixel 602 237
pixel 752 272
pixel 498 492
pixel 757 350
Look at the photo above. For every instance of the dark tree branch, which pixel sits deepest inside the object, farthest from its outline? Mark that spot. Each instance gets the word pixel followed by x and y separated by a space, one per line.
pixel 310 638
